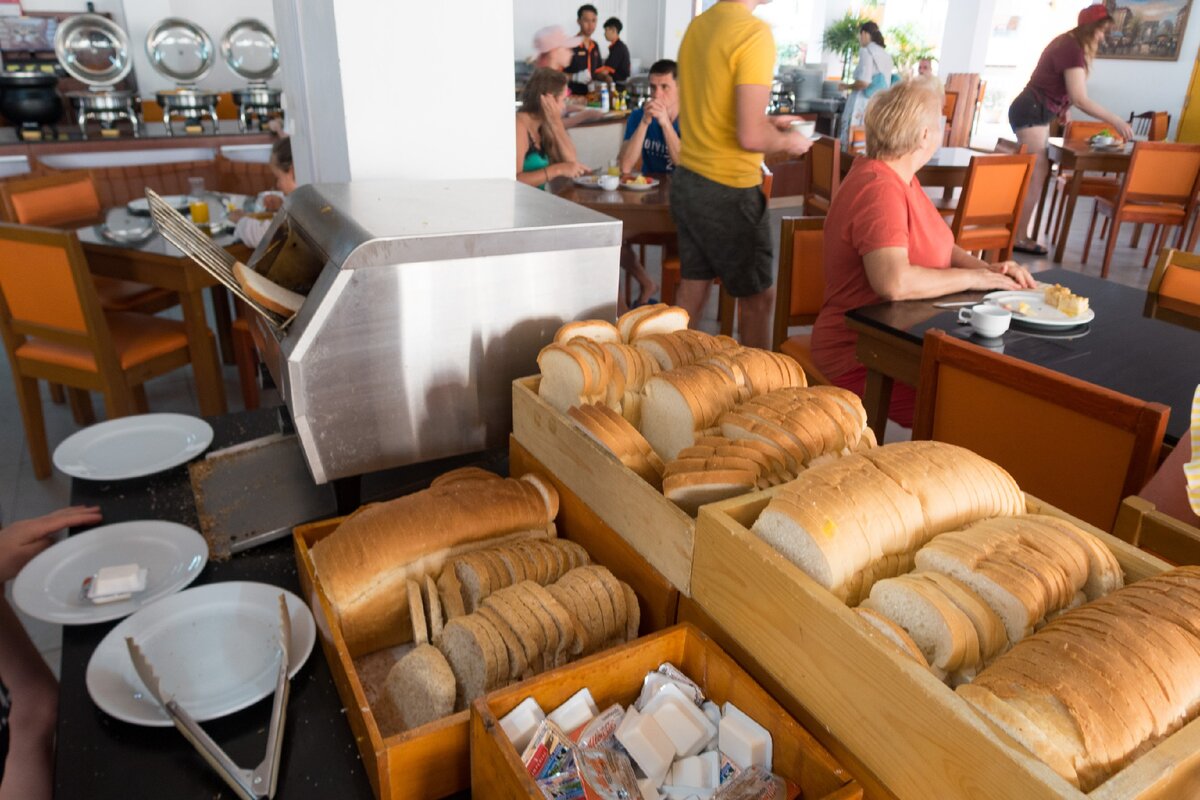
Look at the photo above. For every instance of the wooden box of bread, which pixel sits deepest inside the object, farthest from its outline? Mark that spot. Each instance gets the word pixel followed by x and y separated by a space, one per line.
pixel 960 638
pixel 646 421
pixel 616 677
pixel 426 602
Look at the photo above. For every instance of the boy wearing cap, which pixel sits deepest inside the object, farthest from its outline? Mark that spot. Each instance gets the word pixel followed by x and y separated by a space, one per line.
pixel 1058 82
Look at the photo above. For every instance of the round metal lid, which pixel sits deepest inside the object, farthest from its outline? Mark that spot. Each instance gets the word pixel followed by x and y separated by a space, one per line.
pixel 93 49
pixel 180 49
pixel 250 50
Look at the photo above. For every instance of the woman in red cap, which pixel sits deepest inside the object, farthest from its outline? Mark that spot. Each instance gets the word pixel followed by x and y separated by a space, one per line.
pixel 1058 82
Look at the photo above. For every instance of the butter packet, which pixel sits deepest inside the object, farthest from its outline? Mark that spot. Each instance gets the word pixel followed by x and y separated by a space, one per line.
pixel 607 775
pixel 549 752
pixel 665 674
pixel 599 732
pixel 755 783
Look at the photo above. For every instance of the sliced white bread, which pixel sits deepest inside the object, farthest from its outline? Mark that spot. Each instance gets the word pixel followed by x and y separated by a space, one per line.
pixel 566 377
pixel 940 629
pixel 662 320
pixel 266 292
pixel 433 610
pixel 893 634
pixel 626 321
pixel 421 686
pixel 690 490
pixel 597 330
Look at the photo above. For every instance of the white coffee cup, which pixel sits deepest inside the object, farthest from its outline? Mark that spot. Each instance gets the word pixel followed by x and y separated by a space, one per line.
pixel 608 182
pixel 804 127
pixel 986 319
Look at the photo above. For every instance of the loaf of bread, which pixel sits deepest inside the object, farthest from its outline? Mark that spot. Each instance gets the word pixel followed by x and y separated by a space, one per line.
pixel 364 564
pixel 1101 684
pixel 683 347
pixel 617 435
pixel 648 320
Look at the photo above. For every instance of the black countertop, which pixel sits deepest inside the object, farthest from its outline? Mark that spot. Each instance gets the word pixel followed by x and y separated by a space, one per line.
pixel 99 757
pixel 1121 349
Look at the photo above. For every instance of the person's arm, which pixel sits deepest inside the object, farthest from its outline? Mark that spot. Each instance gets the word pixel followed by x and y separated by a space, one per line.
pixel 580 117
pixel 670 136
pixel 631 148
pixel 758 132
pixel 893 277
pixel 1076 79
pixel 961 259
pixel 863 72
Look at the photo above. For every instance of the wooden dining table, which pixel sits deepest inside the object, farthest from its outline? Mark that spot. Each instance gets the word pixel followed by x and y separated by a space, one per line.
pixel 640 212
pixel 1081 158
pixel 1121 349
pixel 157 262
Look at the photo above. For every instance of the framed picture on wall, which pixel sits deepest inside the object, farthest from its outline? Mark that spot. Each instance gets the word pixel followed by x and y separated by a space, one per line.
pixel 1150 30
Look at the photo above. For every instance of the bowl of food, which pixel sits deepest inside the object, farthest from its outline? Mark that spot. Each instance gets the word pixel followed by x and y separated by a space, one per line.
pixel 1104 139
pixel 638 183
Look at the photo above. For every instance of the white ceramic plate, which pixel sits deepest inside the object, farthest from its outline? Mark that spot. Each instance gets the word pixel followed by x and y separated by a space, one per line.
pixel 48 587
pixel 141 205
pixel 131 447
pixel 214 648
pixel 640 187
pixel 588 181
pixel 1039 314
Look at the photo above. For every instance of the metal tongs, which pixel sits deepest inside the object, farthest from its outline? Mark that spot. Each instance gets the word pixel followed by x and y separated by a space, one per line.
pixel 255 784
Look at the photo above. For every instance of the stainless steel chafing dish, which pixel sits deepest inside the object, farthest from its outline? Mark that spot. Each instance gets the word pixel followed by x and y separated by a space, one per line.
pixel 95 50
pixel 424 301
pixel 250 51
pixel 181 50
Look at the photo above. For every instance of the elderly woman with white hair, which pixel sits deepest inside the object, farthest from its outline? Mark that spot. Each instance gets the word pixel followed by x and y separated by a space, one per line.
pixel 884 239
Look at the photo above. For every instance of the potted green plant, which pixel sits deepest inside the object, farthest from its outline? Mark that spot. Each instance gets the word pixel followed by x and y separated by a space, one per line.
pixel 841 38
pixel 908 47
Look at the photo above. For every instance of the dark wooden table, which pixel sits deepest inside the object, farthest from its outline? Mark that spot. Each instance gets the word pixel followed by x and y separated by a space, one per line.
pixel 1121 350
pixel 99 757
pixel 1081 157
pixel 157 262
pixel 947 168
pixel 646 212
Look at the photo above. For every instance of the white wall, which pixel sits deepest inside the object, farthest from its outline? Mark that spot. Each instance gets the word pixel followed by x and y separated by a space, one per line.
pixel 965 37
pixel 1123 86
pixel 677 14
pixel 214 16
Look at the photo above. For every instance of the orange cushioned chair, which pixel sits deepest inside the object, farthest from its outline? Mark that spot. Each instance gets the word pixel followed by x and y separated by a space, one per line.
pixel 1174 291
pixel 825 158
pixel 1076 445
pixel 1160 188
pixel 948 108
pixel 69 200
pixel 990 205
pixel 1079 132
pixel 1152 125
pixel 55 330
pixel 1140 523
pixel 800 289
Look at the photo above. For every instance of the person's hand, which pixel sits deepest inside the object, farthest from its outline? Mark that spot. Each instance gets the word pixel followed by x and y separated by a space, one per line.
pixel 798 144
pixel 783 122
pixel 272 203
pixel 1015 272
pixel 234 216
pixel 24 539
pixel 1124 130
pixel 552 106
pixel 658 111
pixel 986 280
pixel 568 169
pixel 583 76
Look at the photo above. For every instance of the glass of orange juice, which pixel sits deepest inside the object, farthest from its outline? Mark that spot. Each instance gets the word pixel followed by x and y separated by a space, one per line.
pixel 199 210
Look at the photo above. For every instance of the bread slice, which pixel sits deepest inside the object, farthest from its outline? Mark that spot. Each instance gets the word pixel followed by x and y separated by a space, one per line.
pixel 893 633
pixel 421 686
pixel 433 610
pixel 566 378
pixel 626 321
pixel 944 634
pixel 663 320
pixel 596 330
pixel 569 601
pixel 416 610
pixel 266 292
pixel 633 620
pixel 690 490
pixel 463 644
pixel 450 593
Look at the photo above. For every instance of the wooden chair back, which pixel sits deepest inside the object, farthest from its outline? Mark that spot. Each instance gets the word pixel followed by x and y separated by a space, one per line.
pixel 1153 125
pixel 56 199
pixel 826 159
pixel 1173 294
pixel 990 206
pixel 1080 130
pixel 46 293
pixel 1007 147
pixel 1141 524
pixel 801 286
pixel 1161 172
pixel 858 139
pixel 1076 445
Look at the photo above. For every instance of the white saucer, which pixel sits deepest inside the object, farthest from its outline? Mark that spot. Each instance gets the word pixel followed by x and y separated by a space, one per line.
pixel 48 587
pixel 131 447
pixel 214 648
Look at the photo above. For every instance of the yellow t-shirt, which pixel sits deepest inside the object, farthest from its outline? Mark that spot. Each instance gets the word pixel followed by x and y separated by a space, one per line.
pixel 723 48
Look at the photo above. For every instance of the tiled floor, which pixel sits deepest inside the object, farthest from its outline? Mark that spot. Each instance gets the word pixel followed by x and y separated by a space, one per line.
pixel 21 495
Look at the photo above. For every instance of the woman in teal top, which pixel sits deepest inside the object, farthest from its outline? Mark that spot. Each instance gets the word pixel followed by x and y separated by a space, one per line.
pixel 544 150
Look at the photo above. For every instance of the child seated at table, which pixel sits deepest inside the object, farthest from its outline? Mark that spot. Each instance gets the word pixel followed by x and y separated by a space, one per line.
pixel 250 229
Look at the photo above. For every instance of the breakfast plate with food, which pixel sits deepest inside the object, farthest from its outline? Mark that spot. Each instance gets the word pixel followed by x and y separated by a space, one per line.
pixel 638 183
pixel 589 181
pixel 1052 307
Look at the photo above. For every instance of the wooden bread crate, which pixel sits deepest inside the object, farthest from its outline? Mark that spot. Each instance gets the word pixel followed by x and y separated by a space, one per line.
pixel 432 761
pixel 616 676
pixel 654 526
pixel 909 729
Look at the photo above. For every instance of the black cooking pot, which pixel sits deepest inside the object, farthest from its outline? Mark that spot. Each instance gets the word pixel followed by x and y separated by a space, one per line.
pixel 30 97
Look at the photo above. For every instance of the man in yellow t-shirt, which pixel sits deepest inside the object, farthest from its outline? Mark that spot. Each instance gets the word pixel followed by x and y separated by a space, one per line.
pixel 726 66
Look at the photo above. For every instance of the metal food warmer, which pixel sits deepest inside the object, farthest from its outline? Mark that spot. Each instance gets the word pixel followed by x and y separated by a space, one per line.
pixel 425 300
pixel 95 50
pixel 250 50
pixel 181 50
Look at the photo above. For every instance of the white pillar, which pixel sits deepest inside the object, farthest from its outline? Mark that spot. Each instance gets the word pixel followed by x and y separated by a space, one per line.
pixel 966 35
pixel 398 90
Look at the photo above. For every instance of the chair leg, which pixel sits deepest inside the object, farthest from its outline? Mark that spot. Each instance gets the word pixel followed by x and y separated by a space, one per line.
pixel 1104 229
pixel 81 406
pixel 140 404
pixel 246 358
pixel 1050 210
pixel 30 401
pixel 1109 246
pixel 118 401
pixel 1191 245
pixel 1179 238
pixel 56 394
pixel 1087 242
pixel 1137 235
